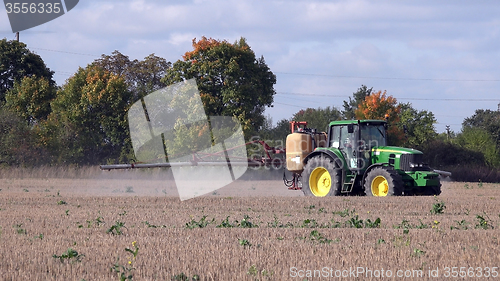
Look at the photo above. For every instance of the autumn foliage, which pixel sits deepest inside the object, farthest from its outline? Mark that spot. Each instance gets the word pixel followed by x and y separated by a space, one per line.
pixel 378 106
pixel 231 80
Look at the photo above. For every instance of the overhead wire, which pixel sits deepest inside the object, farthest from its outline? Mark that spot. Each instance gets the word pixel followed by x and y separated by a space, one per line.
pixel 65 52
pixel 392 78
pixel 401 98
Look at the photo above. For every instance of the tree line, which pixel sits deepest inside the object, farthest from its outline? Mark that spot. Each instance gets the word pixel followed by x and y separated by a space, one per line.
pixel 84 121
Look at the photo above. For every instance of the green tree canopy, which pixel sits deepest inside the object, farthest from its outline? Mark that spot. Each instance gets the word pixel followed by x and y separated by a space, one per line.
pixel 16 62
pixel 275 135
pixel 352 105
pixel 485 119
pixel 318 118
pixel 142 77
pixel 30 98
pixel 480 140
pixel 231 80
pixel 19 146
pixel 88 123
pixel 419 125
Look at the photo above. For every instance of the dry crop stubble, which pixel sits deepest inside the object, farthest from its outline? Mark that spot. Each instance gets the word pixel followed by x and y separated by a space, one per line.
pixel 307 233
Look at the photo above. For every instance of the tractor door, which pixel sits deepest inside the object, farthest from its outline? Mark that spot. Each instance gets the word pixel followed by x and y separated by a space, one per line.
pixel 348 144
pixel 346 139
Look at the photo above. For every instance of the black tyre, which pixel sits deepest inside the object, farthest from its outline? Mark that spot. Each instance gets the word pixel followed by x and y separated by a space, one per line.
pixel 321 177
pixel 383 182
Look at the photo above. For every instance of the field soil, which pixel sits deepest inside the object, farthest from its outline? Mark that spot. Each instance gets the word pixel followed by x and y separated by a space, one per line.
pixel 134 226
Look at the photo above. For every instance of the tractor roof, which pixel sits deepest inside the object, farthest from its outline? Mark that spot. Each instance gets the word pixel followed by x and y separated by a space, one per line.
pixel 347 122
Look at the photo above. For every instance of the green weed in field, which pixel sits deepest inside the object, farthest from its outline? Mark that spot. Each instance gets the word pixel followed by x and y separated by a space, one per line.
pixel 405 225
pixel 263 274
pixel 422 225
pixel 438 207
pixel 153 226
pixel 69 255
pixel 316 237
pixel 116 229
pixel 246 223
pixel 461 225
pixel 372 224
pixel 345 213
pixel 483 222
pixel 203 222
pixel 401 241
pixel 184 277
pixel 356 222
pixel 19 229
pixel 244 242
pixel 417 252
pixel 125 272
pixel 226 224
pixel 309 223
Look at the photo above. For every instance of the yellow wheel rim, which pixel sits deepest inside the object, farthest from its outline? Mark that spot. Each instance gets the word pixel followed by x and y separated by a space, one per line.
pixel 320 182
pixel 380 186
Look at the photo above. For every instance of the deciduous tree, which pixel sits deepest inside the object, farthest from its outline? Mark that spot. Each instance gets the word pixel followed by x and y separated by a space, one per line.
pixel 30 98
pixel 18 143
pixel 16 62
pixel 377 106
pixel 88 124
pixel 142 76
pixel 351 106
pixel 479 140
pixel 488 120
pixel 231 80
pixel 318 118
pixel 419 125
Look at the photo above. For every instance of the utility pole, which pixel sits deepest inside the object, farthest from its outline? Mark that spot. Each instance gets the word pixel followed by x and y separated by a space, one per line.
pixel 448 132
pixel 17 36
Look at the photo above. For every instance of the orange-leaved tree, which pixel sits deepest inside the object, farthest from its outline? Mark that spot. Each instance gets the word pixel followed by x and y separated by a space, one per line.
pixel 232 81
pixel 379 106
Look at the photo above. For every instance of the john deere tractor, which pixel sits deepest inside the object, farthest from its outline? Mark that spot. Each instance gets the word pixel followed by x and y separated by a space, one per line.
pixel 353 158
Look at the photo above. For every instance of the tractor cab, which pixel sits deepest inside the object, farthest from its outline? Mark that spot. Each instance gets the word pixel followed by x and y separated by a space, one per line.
pixel 355 140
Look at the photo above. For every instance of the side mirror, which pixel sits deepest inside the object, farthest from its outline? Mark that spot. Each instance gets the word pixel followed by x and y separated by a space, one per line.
pixel 350 128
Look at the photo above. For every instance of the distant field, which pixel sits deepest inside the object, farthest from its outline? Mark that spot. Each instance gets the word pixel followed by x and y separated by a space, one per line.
pixel 250 230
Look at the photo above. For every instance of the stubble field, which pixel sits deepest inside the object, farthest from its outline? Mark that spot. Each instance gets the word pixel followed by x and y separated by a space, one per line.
pixel 80 229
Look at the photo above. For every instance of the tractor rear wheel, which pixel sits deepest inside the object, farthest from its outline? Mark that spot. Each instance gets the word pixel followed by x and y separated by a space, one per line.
pixel 433 190
pixel 383 182
pixel 321 177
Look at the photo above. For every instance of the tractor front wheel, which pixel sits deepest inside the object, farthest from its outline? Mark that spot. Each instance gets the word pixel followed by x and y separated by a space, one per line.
pixel 321 177
pixel 383 182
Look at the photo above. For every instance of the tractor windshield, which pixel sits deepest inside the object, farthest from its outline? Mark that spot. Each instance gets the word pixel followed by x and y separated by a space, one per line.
pixel 373 135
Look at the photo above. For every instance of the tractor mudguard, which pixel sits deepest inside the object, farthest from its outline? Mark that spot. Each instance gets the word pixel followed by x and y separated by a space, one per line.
pixel 332 153
pixel 372 167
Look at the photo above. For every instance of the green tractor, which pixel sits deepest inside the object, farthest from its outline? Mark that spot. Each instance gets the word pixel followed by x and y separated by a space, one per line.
pixel 353 158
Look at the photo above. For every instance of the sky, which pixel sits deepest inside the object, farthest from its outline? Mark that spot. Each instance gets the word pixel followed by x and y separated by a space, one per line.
pixel 440 56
